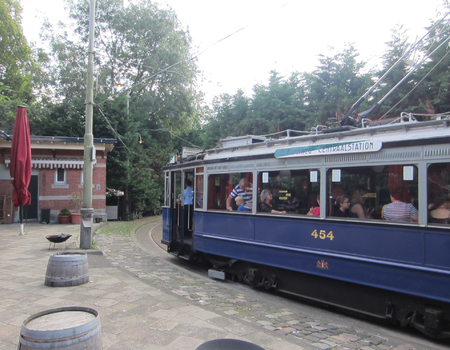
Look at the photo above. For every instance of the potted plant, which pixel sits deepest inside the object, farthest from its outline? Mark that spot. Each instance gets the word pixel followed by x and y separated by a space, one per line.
pixel 77 200
pixel 64 216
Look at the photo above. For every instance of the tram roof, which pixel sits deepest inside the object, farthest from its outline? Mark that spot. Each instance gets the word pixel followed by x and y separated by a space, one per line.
pixel 287 147
pixel 356 140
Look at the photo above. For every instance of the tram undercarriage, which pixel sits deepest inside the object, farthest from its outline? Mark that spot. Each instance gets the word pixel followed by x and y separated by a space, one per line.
pixel 428 316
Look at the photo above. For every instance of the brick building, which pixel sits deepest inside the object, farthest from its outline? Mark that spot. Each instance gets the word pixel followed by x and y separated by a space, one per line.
pixel 57 172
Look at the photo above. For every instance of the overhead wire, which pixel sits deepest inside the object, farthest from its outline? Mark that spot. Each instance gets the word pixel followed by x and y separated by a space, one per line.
pixel 414 68
pixel 426 75
pixel 181 61
pixel 202 52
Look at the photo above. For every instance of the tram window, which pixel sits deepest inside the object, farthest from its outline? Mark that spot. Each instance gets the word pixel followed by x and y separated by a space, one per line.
pixel 438 178
pixel 167 191
pixel 294 191
pixel 188 192
pixel 177 191
pixel 221 186
pixel 199 192
pixel 370 188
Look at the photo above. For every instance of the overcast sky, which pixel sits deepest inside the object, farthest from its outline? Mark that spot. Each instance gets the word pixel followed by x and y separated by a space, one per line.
pixel 282 35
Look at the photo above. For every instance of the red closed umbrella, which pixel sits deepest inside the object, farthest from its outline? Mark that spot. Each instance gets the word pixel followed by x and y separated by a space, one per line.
pixel 20 170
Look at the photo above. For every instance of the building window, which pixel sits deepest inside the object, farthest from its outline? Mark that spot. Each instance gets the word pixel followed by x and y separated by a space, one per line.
pixel 60 176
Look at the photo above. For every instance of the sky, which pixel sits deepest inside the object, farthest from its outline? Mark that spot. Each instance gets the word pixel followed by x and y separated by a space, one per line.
pixel 281 35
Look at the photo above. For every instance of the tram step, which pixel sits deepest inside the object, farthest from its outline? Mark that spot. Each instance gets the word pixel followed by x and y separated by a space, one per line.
pixel 216 274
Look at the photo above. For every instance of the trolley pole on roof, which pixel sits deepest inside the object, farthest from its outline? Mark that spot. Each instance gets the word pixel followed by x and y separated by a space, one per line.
pixel 87 212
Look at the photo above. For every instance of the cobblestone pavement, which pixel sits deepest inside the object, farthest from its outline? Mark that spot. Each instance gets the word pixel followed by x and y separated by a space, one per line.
pixel 302 325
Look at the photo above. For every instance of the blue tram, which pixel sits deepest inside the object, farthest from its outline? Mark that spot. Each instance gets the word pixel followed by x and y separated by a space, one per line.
pixel 355 217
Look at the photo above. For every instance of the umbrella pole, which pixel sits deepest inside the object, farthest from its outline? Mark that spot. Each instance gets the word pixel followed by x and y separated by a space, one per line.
pixel 21 220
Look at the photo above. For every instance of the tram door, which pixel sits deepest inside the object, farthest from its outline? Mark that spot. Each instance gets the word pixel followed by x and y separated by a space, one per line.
pixel 182 210
pixel 175 212
pixel 188 212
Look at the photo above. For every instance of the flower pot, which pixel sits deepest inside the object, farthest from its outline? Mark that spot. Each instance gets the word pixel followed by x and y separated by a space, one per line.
pixel 64 219
pixel 76 218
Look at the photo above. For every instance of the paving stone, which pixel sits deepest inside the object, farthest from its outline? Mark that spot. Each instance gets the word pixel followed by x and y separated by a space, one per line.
pixel 311 338
pixel 330 343
pixel 320 335
pixel 288 330
pixel 376 340
pixel 350 337
pixel 321 346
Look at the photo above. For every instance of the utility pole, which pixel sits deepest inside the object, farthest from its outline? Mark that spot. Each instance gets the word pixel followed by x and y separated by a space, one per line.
pixel 87 212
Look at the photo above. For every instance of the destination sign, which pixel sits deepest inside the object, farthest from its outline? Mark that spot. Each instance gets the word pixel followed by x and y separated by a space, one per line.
pixel 330 149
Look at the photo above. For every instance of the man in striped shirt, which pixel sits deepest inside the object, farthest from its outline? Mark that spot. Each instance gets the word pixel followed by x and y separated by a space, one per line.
pixel 399 211
pixel 244 189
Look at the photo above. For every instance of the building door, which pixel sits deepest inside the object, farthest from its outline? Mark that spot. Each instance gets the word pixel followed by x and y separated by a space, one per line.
pixel 31 211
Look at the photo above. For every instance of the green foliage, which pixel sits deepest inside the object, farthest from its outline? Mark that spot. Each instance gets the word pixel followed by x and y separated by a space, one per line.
pixel 433 94
pixel 15 54
pixel 397 47
pixel 278 106
pixel 122 228
pixel 144 81
pixel 298 102
pixel 17 66
pixel 145 87
pixel 335 86
pixel 64 212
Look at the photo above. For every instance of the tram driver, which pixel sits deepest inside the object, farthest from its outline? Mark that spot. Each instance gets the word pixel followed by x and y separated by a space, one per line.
pixel 244 189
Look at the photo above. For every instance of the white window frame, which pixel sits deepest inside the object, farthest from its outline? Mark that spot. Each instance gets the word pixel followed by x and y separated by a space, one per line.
pixel 64 182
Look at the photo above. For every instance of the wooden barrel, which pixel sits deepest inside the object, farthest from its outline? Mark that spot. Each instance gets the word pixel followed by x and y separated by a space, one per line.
pixel 228 344
pixel 68 328
pixel 67 269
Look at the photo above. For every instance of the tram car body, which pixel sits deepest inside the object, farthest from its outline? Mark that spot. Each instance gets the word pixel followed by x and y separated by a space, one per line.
pixel 393 270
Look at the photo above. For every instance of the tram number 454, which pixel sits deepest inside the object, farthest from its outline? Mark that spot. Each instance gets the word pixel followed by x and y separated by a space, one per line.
pixel 322 234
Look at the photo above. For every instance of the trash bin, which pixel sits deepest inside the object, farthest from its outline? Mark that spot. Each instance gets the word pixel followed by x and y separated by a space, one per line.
pixel 45 215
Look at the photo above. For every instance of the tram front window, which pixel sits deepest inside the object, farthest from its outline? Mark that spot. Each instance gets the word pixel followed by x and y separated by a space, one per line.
pixel 374 190
pixel 293 191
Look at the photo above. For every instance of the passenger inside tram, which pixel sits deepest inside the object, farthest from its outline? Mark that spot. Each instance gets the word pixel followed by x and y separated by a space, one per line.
pixel 315 208
pixel 335 193
pixel 398 210
pixel 266 204
pixel 240 204
pixel 244 189
pixel 357 208
pixel 440 215
pixel 344 205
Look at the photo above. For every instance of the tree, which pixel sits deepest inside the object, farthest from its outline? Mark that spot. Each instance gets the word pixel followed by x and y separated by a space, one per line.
pixel 397 47
pixel 278 106
pixel 145 81
pixel 433 94
pixel 334 86
pixel 16 63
